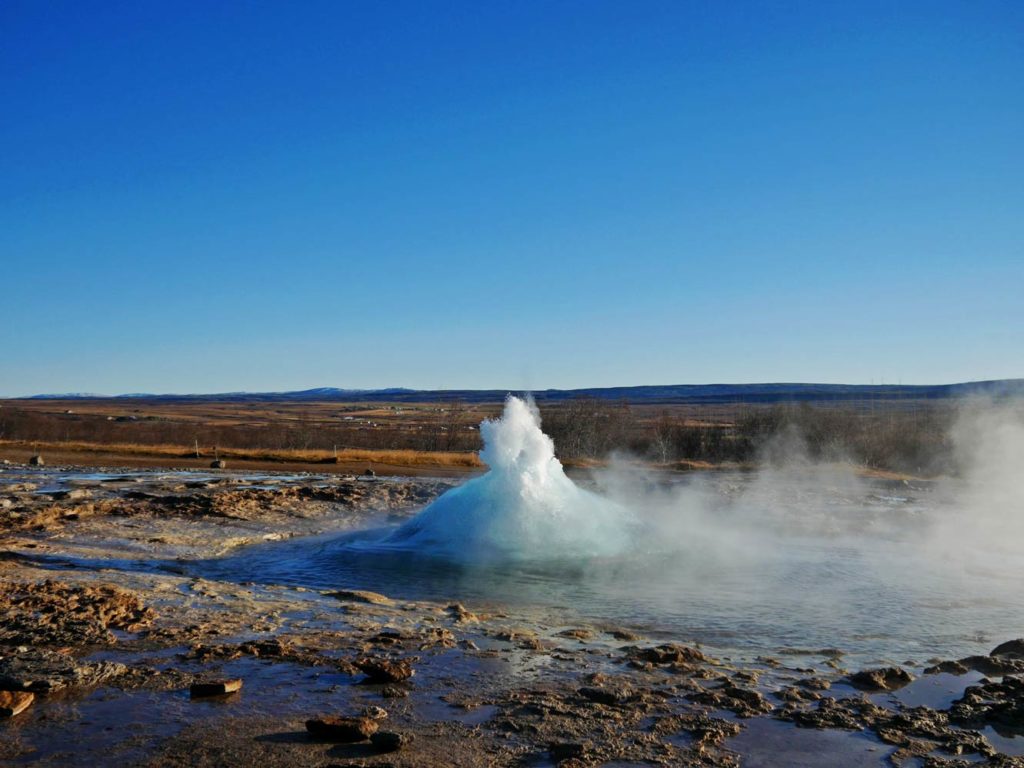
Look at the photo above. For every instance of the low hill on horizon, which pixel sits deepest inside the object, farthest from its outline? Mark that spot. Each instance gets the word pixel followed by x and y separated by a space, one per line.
pixel 644 394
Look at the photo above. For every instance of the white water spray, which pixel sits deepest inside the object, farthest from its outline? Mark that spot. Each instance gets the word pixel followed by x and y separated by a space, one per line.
pixel 524 508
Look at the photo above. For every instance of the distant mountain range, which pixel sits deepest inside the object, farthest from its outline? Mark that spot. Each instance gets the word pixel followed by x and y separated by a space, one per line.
pixel 657 394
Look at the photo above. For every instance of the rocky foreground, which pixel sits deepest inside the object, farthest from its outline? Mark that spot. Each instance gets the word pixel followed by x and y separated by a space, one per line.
pixel 102 663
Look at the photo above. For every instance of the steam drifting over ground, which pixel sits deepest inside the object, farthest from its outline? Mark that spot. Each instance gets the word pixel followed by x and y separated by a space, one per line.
pixel 526 508
pixel 792 552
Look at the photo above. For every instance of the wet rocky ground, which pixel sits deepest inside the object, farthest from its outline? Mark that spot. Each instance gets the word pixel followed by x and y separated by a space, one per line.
pixel 123 664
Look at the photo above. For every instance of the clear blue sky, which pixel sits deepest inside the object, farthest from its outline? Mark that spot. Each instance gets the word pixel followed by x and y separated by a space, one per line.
pixel 269 195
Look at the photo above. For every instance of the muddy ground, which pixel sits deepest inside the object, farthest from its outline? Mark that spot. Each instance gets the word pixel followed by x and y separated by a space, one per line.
pixel 109 650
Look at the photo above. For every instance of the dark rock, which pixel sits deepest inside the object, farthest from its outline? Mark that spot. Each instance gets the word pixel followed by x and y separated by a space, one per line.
pixel 742 701
pixel 603 695
pixel 344 730
pixel 705 730
pixel 881 679
pixel 389 741
pixel 665 654
pixel 218 464
pixel 994 665
pixel 795 694
pixel 624 634
pixel 36 461
pixel 214 688
pixel 379 670
pixel 850 714
pixel 947 667
pixel 566 750
pixel 1000 705
pixel 1012 649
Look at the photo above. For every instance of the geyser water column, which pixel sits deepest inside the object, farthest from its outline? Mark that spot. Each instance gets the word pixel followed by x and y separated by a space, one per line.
pixel 524 508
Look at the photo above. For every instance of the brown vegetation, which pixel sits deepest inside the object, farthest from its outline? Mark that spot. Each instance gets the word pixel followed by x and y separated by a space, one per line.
pixel 367 456
pixel 901 436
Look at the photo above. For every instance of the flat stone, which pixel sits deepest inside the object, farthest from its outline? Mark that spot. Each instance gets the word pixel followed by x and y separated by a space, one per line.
pixel 361 596
pixel 43 670
pixel 344 730
pixel 15 702
pixel 214 688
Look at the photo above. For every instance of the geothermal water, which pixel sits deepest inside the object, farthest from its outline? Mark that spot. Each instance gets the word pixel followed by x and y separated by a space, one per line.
pixel 524 508
pixel 799 556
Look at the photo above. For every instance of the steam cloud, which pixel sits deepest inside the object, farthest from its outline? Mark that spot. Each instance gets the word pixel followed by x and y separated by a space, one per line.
pixel 526 508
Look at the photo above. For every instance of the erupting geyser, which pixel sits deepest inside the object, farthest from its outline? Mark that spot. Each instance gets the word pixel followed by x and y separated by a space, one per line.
pixel 524 508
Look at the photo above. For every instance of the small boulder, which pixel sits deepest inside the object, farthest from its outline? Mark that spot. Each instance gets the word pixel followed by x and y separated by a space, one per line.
pixel 214 688
pixel 881 679
pixel 461 615
pixel 624 634
pixel 378 670
pixel 666 654
pixel 1011 649
pixel 36 461
pixel 947 667
pixel 15 702
pixel 577 633
pixel 218 464
pixel 567 750
pixel 389 741
pixel 996 666
pixel 605 696
pixel 343 730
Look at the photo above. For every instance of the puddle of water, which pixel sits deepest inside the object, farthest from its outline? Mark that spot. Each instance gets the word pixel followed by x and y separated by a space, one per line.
pixel 766 743
pixel 441 711
pixel 935 691
pixel 1007 742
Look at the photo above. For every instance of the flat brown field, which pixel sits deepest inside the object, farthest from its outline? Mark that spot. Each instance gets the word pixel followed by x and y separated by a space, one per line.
pixel 435 438
pixel 326 437
pixel 58 454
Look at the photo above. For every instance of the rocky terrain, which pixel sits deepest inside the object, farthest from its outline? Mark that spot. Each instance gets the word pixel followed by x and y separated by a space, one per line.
pixel 125 660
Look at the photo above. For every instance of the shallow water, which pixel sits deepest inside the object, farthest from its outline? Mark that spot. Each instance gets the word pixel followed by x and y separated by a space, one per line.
pixel 746 567
pixel 871 592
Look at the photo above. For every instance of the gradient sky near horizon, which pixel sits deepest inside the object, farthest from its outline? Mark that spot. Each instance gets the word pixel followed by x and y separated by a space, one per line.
pixel 202 197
